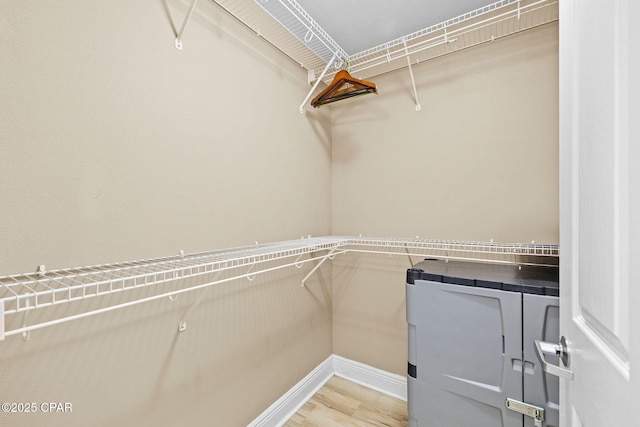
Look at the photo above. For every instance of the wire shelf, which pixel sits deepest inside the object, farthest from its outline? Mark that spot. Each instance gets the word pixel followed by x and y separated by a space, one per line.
pixel 440 246
pixel 497 20
pixel 432 29
pixel 302 26
pixel 294 32
pixel 30 291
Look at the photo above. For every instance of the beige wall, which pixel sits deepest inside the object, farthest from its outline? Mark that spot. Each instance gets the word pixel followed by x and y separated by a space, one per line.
pixel 116 146
pixel 479 161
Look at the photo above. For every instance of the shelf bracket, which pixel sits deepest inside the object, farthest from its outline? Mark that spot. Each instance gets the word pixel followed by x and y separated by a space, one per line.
pixel 413 81
pixel 406 249
pixel 317 266
pixel 315 85
pixel 184 24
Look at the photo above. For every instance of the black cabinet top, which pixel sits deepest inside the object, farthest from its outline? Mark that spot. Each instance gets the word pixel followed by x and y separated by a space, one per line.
pixel 539 280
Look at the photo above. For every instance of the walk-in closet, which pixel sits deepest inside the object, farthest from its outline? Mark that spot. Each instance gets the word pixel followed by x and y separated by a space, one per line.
pixel 211 209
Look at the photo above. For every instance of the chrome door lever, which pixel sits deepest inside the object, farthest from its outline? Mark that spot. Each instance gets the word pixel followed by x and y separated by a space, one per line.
pixel 560 350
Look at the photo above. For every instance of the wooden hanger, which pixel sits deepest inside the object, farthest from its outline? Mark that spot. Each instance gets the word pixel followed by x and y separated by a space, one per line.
pixel 342 87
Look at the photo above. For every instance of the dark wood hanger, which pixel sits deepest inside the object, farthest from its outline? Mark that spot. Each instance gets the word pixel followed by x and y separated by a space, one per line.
pixel 342 87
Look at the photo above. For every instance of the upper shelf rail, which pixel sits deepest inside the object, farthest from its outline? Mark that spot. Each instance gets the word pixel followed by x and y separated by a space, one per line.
pixel 483 25
pixel 302 26
pixel 30 291
pixel 434 28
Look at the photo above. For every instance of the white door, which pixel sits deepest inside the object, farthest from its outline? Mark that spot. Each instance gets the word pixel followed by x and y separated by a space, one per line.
pixel 600 211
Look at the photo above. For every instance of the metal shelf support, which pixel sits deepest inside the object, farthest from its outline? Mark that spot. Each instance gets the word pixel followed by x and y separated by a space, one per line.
pixel 413 81
pixel 315 85
pixel 178 43
pixel 330 255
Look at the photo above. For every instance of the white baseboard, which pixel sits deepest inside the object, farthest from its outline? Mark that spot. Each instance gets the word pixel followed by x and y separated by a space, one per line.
pixel 368 376
pixel 377 379
pixel 284 408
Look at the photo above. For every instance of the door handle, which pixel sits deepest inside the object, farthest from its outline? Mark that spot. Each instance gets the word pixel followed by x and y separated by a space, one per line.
pixel 560 350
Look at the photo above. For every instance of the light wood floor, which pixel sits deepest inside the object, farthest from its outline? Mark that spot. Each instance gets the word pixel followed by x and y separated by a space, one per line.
pixel 342 403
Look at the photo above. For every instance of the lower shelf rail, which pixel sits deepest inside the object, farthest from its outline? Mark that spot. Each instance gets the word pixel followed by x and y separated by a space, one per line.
pixel 24 293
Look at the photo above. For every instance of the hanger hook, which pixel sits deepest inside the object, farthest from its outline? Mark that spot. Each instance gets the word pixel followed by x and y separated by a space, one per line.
pixel 251 277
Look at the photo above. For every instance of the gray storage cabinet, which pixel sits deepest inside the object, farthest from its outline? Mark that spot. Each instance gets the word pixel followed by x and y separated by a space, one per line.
pixel 472 328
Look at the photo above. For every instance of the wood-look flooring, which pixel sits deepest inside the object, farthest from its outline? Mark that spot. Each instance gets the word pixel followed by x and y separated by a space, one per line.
pixel 342 403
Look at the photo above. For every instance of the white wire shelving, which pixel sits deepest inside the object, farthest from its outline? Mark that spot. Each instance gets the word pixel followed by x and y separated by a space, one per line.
pixel 300 37
pixel 24 293
pixel 295 33
pixel 302 26
pixel 486 24
pixel 494 252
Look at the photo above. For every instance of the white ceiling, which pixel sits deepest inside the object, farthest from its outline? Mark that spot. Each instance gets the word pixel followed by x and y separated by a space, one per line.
pixel 357 25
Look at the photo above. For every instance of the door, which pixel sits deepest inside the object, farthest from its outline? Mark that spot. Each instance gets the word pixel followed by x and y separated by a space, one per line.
pixel 599 211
